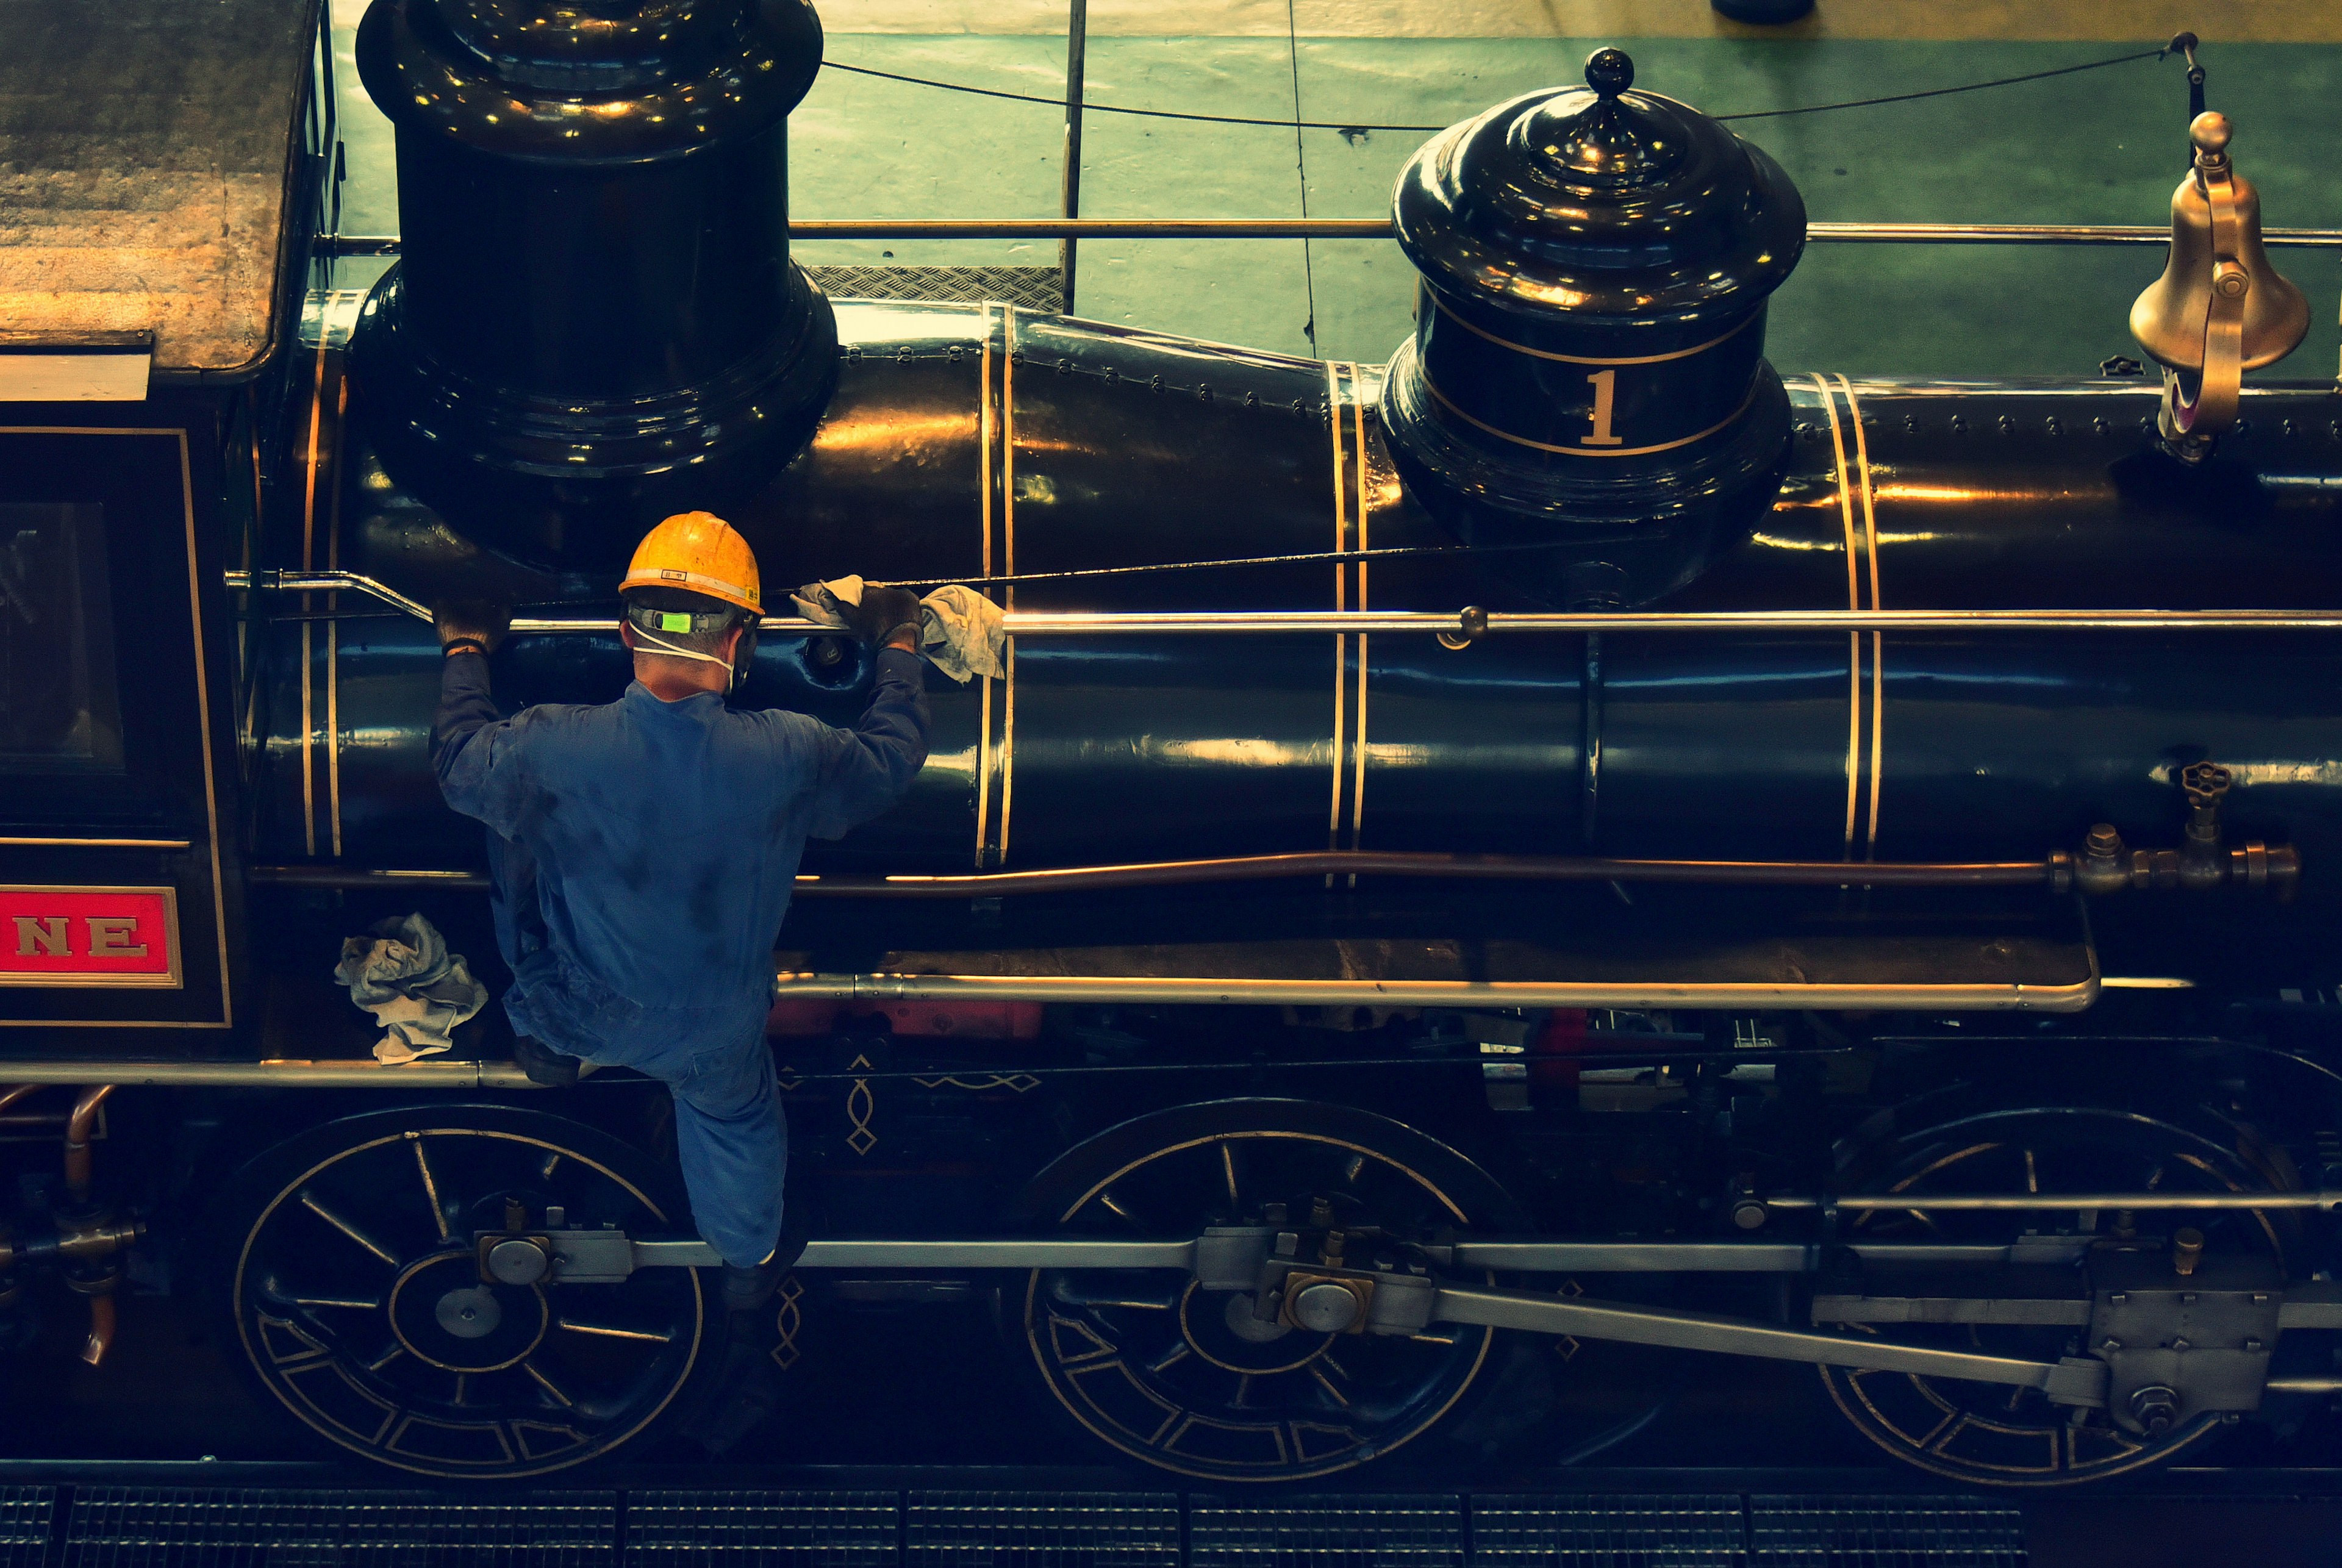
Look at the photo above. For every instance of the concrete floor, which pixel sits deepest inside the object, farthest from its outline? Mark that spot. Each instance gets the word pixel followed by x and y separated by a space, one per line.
pixel 2102 148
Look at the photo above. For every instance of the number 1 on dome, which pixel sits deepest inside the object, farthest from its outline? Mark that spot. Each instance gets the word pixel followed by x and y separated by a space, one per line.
pixel 1606 390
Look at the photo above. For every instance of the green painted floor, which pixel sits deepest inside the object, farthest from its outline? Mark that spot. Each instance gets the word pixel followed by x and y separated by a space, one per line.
pixel 2101 147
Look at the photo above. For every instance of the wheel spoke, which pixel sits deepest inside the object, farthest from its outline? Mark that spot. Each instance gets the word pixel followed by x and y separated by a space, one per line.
pixel 430 1188
pixel 607 1331
pixel 310 1203
pixel 546 1383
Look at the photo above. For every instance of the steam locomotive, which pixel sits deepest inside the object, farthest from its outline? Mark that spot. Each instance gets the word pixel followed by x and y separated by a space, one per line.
pixel 1571 833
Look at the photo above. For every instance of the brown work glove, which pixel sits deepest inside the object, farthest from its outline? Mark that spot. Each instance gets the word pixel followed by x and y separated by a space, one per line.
pixel 883 614
pixel 472 620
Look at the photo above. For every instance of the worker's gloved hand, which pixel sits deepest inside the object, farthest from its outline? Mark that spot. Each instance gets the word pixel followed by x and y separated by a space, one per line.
pixel 472 620
pixel 882 613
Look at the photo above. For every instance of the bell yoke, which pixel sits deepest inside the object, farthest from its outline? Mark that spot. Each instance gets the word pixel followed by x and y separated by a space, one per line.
pixel 644 852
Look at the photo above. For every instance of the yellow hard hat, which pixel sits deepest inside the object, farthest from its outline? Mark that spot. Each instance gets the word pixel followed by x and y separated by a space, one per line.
pixel 701 552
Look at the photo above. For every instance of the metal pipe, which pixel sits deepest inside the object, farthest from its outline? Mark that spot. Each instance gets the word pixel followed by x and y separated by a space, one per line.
pixel 101 1329
pixel 330 876
pixel 1242 991
pixel 2060 1202
pixel 1470 622
pixel 2311 1382
pixel 1536 1256
pixel 79 1127
pixel 1077 31
pixel 1071 227
pixel 17 1092
pixel 2044 872
pixel 1045 1253
pixel 360 1072
pixel 1637 1324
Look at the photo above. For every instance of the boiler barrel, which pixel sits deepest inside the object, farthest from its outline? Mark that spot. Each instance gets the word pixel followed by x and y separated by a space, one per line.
pixel 967 442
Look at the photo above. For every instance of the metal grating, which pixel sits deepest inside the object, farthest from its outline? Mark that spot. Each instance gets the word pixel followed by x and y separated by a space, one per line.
pixel 1885 1532
pixel 1602 1532
pixel 1329 1531
pixel 762 1529
pixel 1041 1530
pixel 1040 288
pixel 26 1513
pixel 190 1527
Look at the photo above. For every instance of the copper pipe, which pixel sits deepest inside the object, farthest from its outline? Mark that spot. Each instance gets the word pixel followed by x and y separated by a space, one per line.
pixel 101 1329
pixel 327 874
pixel 345 1073
pixel 2016 997
pixel 2044 872
pixel 15 1093
pixel 2048 872
pixel 78 1127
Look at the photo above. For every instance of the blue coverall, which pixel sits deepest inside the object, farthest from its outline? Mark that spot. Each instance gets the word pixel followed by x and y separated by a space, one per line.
pixel 644 853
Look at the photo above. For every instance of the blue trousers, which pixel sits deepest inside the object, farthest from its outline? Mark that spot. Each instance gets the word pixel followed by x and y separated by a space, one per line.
pixel 731 1132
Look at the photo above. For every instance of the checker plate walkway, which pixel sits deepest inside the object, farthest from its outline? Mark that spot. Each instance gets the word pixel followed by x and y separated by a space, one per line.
pixel 115 1526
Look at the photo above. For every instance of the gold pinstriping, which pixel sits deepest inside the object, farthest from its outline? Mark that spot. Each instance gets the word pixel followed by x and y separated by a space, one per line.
pixel 985 423
pixel 1853 602
pixel 1877 642
pixel 1484 333
pixel 309 563
pixel 1359 785
pixel 334 628
pixel 1009 568
pixel 1341 596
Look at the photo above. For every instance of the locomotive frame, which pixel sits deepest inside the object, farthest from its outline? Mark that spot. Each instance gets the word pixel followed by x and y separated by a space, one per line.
pixel 2007 1272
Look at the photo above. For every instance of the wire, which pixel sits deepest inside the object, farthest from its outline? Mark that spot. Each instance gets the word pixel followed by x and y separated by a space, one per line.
pixel 1095 108
pixel 1303 559
pixel 1946 92
pixel 1091 108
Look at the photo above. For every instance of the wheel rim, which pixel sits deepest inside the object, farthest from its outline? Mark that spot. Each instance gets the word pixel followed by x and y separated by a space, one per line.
pixel 1190 1381
pixel 359 1305
pixel 1986 1435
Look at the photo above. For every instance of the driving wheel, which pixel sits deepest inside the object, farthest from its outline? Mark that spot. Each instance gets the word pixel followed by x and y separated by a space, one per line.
pixel 361 1306
pixel 1194 1381
pixel 1987 1435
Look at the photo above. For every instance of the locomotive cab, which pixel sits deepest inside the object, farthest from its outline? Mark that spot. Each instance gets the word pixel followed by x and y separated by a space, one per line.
pixel 153 273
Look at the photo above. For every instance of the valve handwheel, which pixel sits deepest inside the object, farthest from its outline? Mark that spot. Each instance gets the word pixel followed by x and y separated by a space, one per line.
pixel 360 1306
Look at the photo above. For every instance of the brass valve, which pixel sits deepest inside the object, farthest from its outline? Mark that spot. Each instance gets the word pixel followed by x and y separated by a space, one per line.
pixel 2220 308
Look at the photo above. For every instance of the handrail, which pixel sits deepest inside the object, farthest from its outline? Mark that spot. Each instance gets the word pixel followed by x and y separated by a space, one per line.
pixel 1818 233
pixel 1457 626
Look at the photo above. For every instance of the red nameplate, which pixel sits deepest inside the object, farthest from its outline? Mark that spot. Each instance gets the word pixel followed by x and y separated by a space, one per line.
pixel 89 936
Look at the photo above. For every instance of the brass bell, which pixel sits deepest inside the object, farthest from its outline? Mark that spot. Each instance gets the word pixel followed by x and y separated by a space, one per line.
pixel 2220 308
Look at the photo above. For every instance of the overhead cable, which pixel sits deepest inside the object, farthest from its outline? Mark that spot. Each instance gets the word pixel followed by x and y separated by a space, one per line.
pixel 1296 124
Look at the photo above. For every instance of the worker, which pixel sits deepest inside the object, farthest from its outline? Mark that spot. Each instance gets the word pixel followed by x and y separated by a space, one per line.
pixel 643 850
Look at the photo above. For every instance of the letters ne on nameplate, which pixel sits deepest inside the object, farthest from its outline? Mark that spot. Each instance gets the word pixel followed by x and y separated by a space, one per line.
pixel 88 936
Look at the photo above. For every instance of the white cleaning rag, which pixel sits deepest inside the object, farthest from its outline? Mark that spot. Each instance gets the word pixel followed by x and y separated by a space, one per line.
pixel 961 632
pixel 402 972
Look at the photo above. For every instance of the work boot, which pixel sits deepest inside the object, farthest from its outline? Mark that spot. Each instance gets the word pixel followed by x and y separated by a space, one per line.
pixel 542 1064
pixel 747 1288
